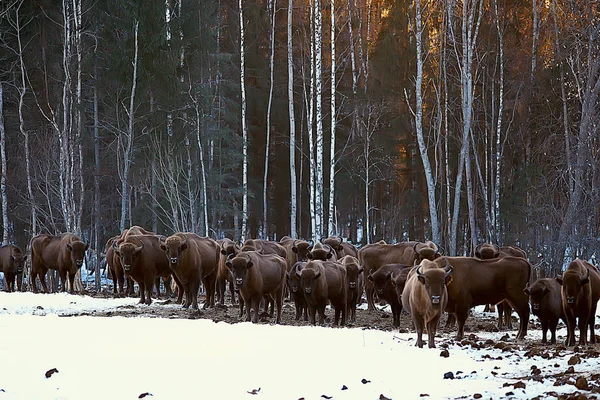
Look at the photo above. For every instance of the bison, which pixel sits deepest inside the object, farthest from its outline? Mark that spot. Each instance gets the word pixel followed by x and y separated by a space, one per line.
pixel 116 269
pixel 228 249
pixel 580 291
pixel 546 304
pixel 256 276
pixel 478 282
pixel 64 253
pixel 293 282
pixel 373 256
pixel 296 250
pixel 486 251
pixel 322 281
pixel 340 247
pixel 356 283
pixel 264 247
pixel 425 296
pixel 143 260
pixel 193 259
pixel 12 262
pixel 383 281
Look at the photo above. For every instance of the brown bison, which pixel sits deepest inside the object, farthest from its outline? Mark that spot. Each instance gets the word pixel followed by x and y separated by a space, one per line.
pixel 322 252
pixel 322 281
pixel 356 283
pixel 546 304
pixel 386 289
pixel 258 275
pixel 116 269
pixel 340 247
pixel 143 260
pixel 293 282
pixel 580 292
pixel 373 256
pixel 12 263
pixel 425 296
pixel 228 249
pixel 193 259
pixel 296 250
pixel 478 282
pixel 487 251
pixel 64 253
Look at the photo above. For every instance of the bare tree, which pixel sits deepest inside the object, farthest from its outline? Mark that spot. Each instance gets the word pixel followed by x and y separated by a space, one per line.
pixel 244 127
pixel 272 13
pixel 129 138
pixel 5 223
pixel 319 116
pixel 332 160
pixel 290 65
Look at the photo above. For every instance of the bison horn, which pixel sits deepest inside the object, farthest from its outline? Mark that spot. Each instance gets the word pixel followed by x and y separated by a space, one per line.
pixel 433 246
pixel 139 248
pixel 419 273
pixel 415 247
pixel 449 270
pixel 340 240
pixel 477 250
pixel 586 277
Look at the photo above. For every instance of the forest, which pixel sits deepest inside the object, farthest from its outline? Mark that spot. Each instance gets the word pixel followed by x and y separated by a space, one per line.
pixel 453 121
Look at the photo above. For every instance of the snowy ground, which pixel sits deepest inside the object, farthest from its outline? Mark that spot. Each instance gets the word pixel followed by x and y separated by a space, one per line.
pixel 125 358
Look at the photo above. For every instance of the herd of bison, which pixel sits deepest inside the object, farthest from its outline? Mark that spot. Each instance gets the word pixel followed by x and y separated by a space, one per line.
pixel 259 275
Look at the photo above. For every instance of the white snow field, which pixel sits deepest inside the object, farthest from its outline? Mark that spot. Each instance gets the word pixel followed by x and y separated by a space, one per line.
pixel 155 358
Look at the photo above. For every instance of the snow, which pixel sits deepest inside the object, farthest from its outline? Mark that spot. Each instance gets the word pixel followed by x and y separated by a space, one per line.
pixel 122 358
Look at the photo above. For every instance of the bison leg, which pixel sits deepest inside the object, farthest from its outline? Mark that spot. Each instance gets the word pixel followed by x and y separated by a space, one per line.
pixel 321 310
pixel 431 329
pixel 72 283
pixel 211 286
pixel 298 309
pixel 337 312
pixel 583 324
pixel 461 317
pixel 194 287
pixel 420 327
pixel 369 289
pixel 180 289
pixel 312 311
pixel 241 306
pixel 253 302
pixel 221 290
pixel 521 306
pixel 279 303
pixel 553 324
pixel 570 320
pixel 544 331
pixel 592 322
pixel 168 291
pixel 232 291
pixel 396 315
pixel 42 276
pixel 157 285
pixel 188 298
pixel 142 288
pixel 63 280
pixel 20 282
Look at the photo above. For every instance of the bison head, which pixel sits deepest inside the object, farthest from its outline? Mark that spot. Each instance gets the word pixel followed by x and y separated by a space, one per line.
pixel 18 261
pixel 77 250
pixel 300 247
pixel 308 280
pixel 435 280
pixel 572 283
pixel 229 247
pixel 127 253
pixel 293 277
pixel 239 266
pixel 173 246
pixel 380 281
pixel 320 251
pixel 353 271
pixel 251 245
pixel 486 251
pixel 536 293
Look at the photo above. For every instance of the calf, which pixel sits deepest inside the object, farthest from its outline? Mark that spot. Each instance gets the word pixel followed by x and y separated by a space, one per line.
pixel 322 281
pixel 386 290
pixel 293 282
pixel 12 262
pixel 546 304
pixel 193 259
pixel 258 275
pixel 425 296
pixel 580 292
pixel 356 283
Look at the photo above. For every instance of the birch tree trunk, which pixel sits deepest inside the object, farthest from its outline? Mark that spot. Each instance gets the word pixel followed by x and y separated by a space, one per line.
pixel 79 125
pixel 244 128
pixel 97 179
pixel 271 12
pixel 127 154
pixel 332 160
pixel 319 116
pixel 64 133
pixel 290 66
pixel 202 168
pixel 310 121
pixel 418 114
pixel 5 223
pixel 470 30
pixel 496 204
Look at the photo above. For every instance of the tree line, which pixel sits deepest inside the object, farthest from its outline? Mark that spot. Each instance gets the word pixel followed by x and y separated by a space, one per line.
pixel 456 121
